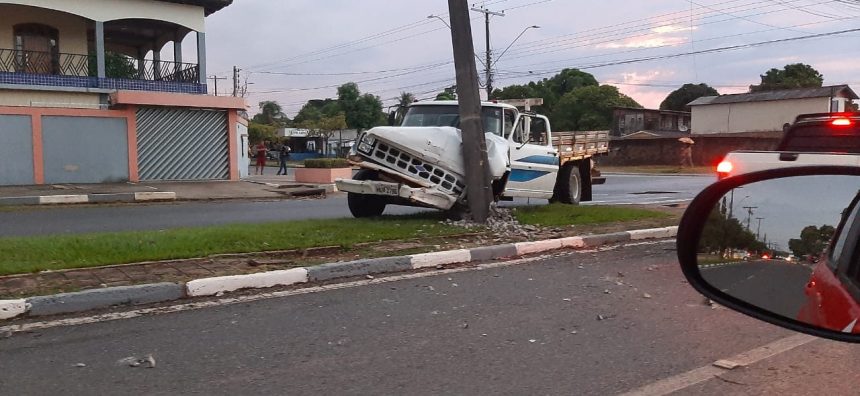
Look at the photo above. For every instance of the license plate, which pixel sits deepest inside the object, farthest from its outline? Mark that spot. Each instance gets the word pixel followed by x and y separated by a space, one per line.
pixel 386 189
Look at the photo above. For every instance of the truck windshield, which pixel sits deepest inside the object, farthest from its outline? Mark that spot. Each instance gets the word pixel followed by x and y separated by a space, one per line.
pixel 430 116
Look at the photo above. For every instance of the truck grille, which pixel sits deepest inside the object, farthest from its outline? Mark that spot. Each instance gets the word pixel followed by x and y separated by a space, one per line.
pixel 397 159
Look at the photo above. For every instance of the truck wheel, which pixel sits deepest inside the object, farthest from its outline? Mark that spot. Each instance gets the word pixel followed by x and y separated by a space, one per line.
pixel 365 205
pixel 568 185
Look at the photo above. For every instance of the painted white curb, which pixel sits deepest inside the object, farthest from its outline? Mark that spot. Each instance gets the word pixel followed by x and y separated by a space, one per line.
pixel 63 199
pixel 538 246
pixel 155 196
pixel 572 242
pixel 221 284
pixel 440 258
pixel 666 232
pixel 12 308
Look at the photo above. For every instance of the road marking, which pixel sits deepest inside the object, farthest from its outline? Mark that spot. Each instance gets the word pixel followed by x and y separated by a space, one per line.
pixel 194 305
pixel 705 373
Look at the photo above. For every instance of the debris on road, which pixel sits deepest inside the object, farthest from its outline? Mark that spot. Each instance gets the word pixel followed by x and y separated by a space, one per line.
pixel 80 365
pixel 369 276
pixel 606 291
pixel 646 295
pixel 134 361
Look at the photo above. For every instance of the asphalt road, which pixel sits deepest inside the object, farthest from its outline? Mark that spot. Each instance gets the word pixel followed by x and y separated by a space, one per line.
pixel 579 323
pixel 775 285
pixel 619 189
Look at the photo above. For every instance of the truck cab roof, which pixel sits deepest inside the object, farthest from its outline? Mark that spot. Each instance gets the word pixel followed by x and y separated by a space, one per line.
pixel 456 103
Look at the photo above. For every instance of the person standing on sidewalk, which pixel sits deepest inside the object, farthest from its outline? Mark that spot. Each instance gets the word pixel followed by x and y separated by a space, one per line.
pixel 261 157
pixel 685 152
pixel 283 156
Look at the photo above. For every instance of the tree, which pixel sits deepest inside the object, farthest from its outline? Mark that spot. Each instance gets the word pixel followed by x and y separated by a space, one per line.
pixel 260 132
pixel 271 113
pixel 796 75
pixel 722 233
pixel 550 89
pixel 813 240
pixel 449 93
pixel 403 103
pixel 325 127
pixel 315 109
pixel 362 111
pixel 589 108
pixel 678 99
pixel 116 66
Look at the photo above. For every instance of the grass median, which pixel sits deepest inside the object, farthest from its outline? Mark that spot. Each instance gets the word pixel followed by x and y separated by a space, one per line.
pixel 32 254
pixel 560 215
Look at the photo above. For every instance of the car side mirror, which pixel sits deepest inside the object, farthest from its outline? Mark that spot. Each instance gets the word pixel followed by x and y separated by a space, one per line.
pixel 782 246
pixel 392 118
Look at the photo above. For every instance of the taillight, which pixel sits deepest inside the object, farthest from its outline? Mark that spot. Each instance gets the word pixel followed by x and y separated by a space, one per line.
pixel 842 122
pixel 724 168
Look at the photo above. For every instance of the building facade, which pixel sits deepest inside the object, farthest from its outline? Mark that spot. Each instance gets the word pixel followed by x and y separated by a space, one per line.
pixel 763 112
pixel 629 120
pixel 87 94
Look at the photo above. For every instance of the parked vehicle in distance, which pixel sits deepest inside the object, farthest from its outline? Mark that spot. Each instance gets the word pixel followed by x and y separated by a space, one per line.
pixel 419 163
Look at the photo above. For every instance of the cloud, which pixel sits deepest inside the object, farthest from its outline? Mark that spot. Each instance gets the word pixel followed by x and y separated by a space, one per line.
pixel 672 29
pixel 649 42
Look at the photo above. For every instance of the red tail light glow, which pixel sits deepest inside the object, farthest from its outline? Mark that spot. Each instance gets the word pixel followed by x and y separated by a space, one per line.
pixel 841 122
pixel 725 167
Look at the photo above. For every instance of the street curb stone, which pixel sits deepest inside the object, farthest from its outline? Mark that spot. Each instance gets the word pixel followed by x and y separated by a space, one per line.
pixel 155 196
pixel 493 252
pixel 358 267
pixel 12 308
pixel 433 259
pixel 260 280
pixel 103 198
pixel 161 292
pixel 14 201
pixel 104 298
pixel 63 199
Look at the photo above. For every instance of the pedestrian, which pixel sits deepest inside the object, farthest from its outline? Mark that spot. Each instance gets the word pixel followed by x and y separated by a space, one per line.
pixel 261 149
pixel 685 152
pixel 283 156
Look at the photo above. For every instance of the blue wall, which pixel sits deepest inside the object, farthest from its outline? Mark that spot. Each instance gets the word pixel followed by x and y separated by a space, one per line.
pixel 85 149
pixel 16 150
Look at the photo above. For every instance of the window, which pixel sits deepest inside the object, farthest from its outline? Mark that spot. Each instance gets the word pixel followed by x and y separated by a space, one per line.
pixel 538 131
pixel 37 49
pixel 510 117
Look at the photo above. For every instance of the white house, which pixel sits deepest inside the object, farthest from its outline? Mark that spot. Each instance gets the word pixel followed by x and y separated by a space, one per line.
pixel 768 111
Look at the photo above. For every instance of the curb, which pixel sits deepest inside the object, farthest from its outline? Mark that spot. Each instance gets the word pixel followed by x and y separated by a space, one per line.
pixel 216 286
pixel 149 196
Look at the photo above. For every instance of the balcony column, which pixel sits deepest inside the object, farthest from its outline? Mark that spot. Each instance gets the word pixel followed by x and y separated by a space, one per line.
pixel 177 50
pixel 156 63
pixel 201 56
pixel 141 64
pixel 100 49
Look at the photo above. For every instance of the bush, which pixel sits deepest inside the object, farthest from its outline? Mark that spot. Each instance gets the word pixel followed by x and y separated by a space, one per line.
pixel 326 163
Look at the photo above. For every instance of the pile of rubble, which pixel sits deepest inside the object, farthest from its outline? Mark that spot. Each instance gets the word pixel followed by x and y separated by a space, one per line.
pixel 502 223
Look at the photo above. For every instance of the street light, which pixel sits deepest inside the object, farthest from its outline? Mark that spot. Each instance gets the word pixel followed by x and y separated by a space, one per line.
pixel 431 16
pixel 515 40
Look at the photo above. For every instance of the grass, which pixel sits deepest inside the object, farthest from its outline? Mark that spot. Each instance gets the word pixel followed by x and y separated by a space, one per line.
pixel 31 254
pixel 562 215
pixel 659 169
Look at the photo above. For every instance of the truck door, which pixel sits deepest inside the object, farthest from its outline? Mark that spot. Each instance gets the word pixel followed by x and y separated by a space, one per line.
pixel 534 161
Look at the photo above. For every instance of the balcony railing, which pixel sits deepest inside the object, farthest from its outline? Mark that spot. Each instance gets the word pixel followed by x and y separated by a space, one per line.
pixel 121 72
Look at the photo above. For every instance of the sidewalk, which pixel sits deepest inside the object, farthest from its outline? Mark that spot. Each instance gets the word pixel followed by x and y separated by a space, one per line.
pixel 268 186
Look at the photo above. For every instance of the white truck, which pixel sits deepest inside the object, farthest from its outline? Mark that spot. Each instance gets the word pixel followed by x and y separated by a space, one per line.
pixel 419 163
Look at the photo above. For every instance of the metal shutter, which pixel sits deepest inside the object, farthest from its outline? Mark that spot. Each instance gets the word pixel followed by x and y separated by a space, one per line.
pixel 182 144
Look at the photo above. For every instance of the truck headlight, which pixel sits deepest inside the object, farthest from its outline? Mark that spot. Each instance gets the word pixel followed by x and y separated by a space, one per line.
pixel 366 144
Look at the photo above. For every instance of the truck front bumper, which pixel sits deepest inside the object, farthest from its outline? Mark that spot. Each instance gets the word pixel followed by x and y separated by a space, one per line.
pixel 419 195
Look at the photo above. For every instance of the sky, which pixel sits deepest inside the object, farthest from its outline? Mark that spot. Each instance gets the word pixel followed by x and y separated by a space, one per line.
pixel 291 51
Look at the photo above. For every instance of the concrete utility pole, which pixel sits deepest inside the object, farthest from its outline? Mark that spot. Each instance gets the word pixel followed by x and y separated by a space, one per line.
pixel 236 80
pixel 758 229
pixel 489 63
pixel 749 215
pixel 216 78
pixel 471 126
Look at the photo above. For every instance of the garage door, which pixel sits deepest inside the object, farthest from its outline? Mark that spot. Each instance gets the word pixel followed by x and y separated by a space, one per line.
pixel 182 144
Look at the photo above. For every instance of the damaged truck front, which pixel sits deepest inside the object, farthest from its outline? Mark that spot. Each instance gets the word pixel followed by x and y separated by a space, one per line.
pixel 420 162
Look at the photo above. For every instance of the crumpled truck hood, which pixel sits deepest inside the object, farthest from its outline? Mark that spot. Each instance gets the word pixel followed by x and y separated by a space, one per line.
pixel 443 146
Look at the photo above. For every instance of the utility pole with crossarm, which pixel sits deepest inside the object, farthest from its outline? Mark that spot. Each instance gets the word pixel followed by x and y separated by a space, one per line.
pixel 478 191
pixel 489 63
